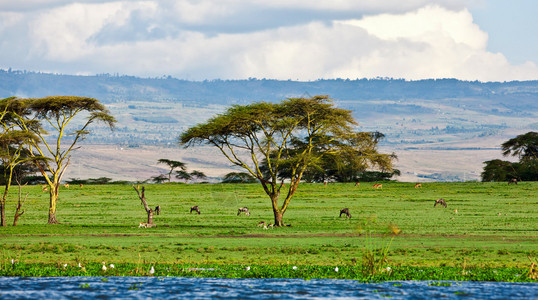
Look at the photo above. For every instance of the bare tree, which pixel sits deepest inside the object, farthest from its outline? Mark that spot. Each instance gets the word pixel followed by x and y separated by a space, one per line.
pixel 149 211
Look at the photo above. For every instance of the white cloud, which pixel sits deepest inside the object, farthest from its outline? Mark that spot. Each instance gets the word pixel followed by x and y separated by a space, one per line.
pixel 234 39
pixel 434 42
pixel 424 25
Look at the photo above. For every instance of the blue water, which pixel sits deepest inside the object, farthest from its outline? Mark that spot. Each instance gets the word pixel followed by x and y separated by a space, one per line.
pixel 219 288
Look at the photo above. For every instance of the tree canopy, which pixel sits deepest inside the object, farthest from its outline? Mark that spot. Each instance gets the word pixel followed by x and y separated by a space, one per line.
pixel 523 146
pixel 269 140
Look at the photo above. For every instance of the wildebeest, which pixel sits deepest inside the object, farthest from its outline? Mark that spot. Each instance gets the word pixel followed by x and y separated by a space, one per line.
pixel 440 201
pixel 243 210
pixel 345 211
pixel 418 185
pixel 196 209
pixel 513 180
pixel 157 209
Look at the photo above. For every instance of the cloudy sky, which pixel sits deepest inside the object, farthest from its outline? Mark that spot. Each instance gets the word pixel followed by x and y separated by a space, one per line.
pixel 486 40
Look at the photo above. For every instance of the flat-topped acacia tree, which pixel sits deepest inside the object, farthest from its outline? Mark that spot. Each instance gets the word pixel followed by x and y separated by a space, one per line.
pixel 267 138
pixel 58 112
pixel 13 150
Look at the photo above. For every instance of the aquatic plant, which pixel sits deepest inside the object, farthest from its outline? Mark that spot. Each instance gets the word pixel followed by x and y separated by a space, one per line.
pixel 272 271
pixel 375 258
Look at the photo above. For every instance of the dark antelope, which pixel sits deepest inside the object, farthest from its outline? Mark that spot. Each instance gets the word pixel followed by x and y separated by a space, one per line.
pixel 345 211
pixel 196 209
pixel 440 201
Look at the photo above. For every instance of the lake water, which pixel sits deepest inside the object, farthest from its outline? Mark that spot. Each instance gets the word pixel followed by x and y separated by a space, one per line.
pixel 219 288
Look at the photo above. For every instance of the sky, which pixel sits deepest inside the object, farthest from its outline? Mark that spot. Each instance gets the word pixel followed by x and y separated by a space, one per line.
pixel 484 40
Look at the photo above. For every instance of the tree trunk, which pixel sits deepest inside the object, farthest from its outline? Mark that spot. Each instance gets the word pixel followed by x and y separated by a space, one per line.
pixel 149 211
pixel 3 203
pixel 19 212
pixel 150 216
pixel 53 202
pixel 3 213
pixel 278 218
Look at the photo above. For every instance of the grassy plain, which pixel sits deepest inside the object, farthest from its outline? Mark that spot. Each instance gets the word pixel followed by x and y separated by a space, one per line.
pixel 496 225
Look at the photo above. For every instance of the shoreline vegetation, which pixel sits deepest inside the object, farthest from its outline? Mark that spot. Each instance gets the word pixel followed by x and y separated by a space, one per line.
pixel 306 272
pixel 488 232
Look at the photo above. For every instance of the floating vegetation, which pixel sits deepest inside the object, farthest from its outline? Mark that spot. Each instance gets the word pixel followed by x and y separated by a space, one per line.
pixel 397 273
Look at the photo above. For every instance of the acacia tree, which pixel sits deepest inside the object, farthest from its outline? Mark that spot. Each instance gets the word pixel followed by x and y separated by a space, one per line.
pixel 198 175
pixel 292 135
pixel 57 113
pixel 13 152
pixel 238 177
pixel 523 146
pixel 172 164
pixel 342 166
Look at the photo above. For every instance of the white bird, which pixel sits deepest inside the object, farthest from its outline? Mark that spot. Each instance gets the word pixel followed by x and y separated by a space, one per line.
pixel 103 267
pixel 79 265
pixel 12 261
pixel 112 266
pixel 336 269
pixel 65 266
pixel 295 267
pixel 247 268
pixel 151 271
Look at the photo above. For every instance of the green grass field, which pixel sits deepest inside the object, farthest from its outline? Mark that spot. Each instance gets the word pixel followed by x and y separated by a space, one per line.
pixel 496 225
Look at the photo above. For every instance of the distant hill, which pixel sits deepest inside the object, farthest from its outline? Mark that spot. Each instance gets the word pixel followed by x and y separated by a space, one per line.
pixel 427 118
pixel 112 88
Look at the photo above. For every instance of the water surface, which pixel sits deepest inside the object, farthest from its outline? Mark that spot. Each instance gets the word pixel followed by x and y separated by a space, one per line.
pixel 221 288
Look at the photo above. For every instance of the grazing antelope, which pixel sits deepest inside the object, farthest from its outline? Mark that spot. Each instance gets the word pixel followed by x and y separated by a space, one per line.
pixel 158 210
pixel 345 211
pixel 513 180
pixel 44 188
pixel 268 226
pixel 81 185
pixel 440 201
pixel 357 183
pixel 146 225
pixel 262 224
pixel 243 210
pixel 66 185
pixel 456 211
pixel 418 185
pixel 196 209
pixel 377 186
pixel 325 183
